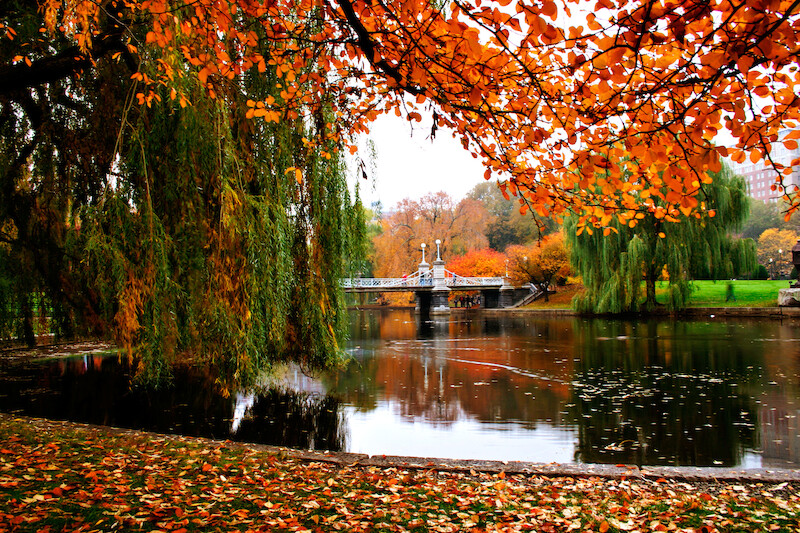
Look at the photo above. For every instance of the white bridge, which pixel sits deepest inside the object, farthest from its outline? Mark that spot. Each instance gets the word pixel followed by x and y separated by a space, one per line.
pixel 421 280
pixel 432 286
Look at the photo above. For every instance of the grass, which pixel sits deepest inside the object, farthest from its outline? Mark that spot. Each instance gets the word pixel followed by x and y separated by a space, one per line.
pixel 705 293
pixel 61 477
pixel 748 293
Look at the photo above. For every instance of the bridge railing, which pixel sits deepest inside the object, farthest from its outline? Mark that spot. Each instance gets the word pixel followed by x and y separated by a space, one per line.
pixel 454 280
pixel 415 281
pixel 412 281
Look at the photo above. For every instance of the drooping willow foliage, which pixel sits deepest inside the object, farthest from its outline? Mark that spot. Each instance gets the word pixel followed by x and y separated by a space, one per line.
pixel 181 232
pixel 613 267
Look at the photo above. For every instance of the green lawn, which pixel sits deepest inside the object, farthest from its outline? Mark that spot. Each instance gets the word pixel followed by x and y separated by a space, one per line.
pixel 748 293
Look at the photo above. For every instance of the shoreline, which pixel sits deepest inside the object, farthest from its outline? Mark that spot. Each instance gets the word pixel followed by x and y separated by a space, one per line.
pixel 777 313
pixel 703 474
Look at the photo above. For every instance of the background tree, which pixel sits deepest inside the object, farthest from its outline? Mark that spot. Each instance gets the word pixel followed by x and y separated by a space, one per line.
pixel 459 225
pixel 541 264
pixel 775 250
pixel 506 224
pixel 479 263
pixel 614 263
pixel 764 216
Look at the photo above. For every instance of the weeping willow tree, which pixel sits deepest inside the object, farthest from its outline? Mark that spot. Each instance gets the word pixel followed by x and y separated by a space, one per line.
pixel 614 266
pixel 182 232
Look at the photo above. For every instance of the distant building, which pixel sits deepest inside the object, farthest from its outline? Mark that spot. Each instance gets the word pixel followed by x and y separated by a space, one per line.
pixel 760 177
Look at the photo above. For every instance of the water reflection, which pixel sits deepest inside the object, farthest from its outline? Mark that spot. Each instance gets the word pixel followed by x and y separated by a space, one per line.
pixel 482 386
pixel 648 392
pixel 98 390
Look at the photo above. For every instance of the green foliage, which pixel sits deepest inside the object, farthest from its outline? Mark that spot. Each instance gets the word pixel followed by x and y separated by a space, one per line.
pixel 760 272
pixel 764 216
pixel 613 266
pixel 507 226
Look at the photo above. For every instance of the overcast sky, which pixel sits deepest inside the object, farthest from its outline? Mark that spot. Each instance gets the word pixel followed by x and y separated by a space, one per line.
pixel 409 164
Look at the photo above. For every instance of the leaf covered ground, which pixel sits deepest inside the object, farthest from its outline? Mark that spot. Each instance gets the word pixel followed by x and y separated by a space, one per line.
pixel 70 478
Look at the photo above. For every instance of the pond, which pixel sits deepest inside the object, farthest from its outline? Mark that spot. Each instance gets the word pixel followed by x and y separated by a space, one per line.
pixel 476 385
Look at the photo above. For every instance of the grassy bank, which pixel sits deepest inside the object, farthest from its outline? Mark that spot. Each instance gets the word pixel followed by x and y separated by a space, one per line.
pixel 748 293
pixel 69 479
pixel 705 293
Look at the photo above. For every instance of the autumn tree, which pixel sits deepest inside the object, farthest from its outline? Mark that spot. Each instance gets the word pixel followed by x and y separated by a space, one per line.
pixel 615 262
pixel 478 263
pixel 541 264
pixel 458 225
pixel 539 91
pixel 775 250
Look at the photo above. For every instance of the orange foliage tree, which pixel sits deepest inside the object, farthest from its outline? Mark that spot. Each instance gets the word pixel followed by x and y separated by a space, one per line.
pixel 596 109
pixel 459 225
pixel 484 262
pixel 774 250
pixel 541 264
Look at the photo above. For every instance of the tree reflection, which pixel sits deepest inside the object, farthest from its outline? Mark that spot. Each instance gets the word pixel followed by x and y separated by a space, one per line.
pixel 99 390
pixel 295 419
pixel 485 368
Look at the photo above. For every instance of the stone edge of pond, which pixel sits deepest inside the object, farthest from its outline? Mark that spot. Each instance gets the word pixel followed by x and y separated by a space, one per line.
pixel 779 313
pixel 650 473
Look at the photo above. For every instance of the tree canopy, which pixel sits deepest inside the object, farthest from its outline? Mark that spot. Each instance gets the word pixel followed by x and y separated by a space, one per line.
pixel 550 95
pixel 775 250
pixel 485 262
pixel 506 224
pixel 764 216
pixel 542 264
pixel 459 226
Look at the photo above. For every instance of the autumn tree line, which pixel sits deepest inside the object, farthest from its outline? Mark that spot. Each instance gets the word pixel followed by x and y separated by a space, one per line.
pixel 485 234
pixel 172 173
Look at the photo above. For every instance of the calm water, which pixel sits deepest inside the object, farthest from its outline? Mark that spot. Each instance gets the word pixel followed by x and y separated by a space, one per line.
pixel 476 386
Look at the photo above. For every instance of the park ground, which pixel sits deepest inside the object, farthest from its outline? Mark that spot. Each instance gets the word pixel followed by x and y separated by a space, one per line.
pixel 66 477
pixel 705 293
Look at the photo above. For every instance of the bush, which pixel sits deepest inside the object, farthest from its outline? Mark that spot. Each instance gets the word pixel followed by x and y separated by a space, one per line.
pixel 760 273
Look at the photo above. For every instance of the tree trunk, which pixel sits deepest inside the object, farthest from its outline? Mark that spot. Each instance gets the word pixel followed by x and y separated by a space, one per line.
pixel 650 292
pixel 27 322
pixel 544 287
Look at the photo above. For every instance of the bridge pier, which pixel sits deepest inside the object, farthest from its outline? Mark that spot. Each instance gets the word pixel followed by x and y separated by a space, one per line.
pixel 440 301
pixel 440 294
pixel 506 298
pixel 423 305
